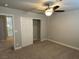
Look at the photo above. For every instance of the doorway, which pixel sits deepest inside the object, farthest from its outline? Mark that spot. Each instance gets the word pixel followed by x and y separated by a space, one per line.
pixel 6 32
pixel 36 30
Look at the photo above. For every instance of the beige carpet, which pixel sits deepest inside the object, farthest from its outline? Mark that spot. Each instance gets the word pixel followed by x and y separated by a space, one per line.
pixel 41 50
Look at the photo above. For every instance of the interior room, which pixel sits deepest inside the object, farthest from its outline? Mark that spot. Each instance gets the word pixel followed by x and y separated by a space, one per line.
pixel 39 29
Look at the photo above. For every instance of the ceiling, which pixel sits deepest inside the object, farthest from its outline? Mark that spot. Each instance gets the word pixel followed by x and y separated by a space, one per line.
pixel 27 5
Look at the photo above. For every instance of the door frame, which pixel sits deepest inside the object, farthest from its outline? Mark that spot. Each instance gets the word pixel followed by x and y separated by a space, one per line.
pixel 12 25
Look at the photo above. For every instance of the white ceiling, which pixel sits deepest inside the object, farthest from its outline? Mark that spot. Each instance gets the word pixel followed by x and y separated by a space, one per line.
pixel 27 5
pixel 71 4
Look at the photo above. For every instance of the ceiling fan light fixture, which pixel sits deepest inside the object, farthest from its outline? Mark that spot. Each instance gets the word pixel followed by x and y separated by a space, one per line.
pixel 49 12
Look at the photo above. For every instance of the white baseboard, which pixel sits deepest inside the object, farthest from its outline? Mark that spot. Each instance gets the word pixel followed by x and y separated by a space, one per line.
pixel 17 48
pixel 43 39
pixel 27 44
pixel 69 46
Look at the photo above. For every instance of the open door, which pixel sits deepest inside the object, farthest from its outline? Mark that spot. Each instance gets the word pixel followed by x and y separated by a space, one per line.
pixel 3 28
pixel 6 32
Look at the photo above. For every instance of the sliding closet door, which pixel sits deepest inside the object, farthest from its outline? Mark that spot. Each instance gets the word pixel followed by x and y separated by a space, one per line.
pixel 36 29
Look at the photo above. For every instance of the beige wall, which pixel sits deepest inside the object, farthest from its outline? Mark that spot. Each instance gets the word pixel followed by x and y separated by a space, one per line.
pixel 17 23
pixel 64 27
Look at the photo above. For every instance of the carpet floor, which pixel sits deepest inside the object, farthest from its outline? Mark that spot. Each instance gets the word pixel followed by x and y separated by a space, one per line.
pixel 41 50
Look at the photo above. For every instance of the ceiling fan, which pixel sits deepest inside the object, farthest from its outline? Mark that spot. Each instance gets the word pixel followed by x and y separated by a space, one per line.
pixel 49 7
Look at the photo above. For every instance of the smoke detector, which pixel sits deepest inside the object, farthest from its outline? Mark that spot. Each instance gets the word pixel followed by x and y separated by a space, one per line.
pixel 6 5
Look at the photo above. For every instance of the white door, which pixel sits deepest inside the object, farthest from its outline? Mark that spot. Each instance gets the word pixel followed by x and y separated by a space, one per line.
pixel 26 31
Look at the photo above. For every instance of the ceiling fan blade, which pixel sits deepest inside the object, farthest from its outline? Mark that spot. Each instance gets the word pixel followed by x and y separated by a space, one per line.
pixel 59 11
pixel 55 7
pixel 59 3
pixel 38 6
